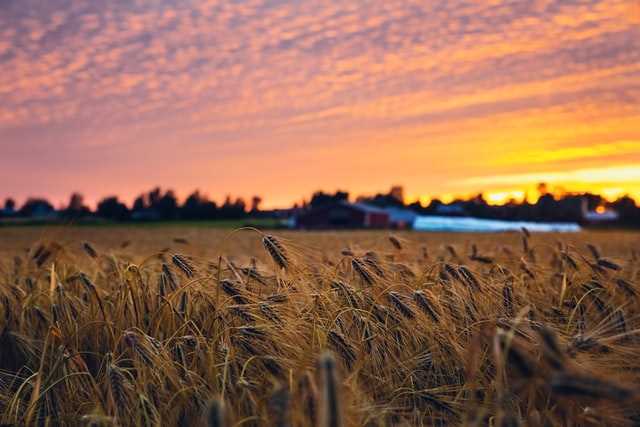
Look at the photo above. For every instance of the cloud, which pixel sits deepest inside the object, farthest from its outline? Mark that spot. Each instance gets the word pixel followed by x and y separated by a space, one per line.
pixel 258 74
pixel 581 152
pixel 617 174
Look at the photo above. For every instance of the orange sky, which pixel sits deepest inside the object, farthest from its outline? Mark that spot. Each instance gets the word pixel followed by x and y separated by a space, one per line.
pixel 284 98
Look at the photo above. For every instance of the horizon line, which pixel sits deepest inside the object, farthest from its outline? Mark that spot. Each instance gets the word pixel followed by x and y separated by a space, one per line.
pixel 491 197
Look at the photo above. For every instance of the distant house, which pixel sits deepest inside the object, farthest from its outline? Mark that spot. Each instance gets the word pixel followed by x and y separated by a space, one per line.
pixel 453 209
pixel 601 214
pixel 342 215
pixel 401 218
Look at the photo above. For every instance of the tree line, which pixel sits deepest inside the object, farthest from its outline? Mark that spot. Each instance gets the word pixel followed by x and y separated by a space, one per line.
pixel 163 205
pixel 155 205
pixel 550 206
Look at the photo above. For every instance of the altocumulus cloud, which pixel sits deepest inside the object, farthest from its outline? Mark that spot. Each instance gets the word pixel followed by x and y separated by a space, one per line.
pixel 247 76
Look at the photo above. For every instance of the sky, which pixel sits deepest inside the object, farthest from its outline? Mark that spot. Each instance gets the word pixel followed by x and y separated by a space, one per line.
pixel 284 97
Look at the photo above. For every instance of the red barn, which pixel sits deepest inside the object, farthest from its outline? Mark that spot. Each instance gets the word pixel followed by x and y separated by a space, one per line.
pixel 343 215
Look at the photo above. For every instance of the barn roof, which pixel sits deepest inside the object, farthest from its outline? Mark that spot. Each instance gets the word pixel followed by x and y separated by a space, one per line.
pixel 366 208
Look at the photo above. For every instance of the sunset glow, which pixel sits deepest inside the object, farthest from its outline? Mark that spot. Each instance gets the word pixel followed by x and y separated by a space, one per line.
pixel 284 98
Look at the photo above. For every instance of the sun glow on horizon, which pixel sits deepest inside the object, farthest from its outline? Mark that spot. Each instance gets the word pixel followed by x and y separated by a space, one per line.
pixel 531 195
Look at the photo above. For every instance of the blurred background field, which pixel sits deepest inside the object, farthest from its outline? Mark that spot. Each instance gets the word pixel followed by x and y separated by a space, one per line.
pixel 218 237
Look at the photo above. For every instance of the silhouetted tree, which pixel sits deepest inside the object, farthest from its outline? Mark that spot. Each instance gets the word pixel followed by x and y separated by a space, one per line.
pixel 112 208
pixel 394 198
pixel 154 205
pixel 416 207
pixel 628 210
pixel 321 198
pixel 255 204
pixel 545 206
pixel 197 206
pixel 543 188
pixel 167 206
pixel 191 207
pixel 9 207
pixel 434 204
pixel 76 207
pixel 154 197
pixel 233 209
pixel 139 203
pixel 36 207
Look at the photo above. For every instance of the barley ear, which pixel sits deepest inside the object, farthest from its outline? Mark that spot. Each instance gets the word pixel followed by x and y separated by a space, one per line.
pixel 215 413
pixel 331 403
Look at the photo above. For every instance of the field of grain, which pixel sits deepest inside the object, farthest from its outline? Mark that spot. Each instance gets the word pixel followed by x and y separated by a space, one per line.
pixel 190 326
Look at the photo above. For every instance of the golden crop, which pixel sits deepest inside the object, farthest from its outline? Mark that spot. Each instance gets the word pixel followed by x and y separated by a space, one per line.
pixel 190 326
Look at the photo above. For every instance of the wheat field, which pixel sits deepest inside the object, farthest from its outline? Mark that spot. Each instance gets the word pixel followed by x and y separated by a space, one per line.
pixel 192 326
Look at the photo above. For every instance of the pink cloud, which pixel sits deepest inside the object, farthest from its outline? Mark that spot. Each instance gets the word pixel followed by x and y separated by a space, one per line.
pixel 320 71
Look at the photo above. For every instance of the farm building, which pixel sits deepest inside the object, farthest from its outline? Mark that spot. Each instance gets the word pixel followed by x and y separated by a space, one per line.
pixel 600 215
pixel 401 218
pixel 342 215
